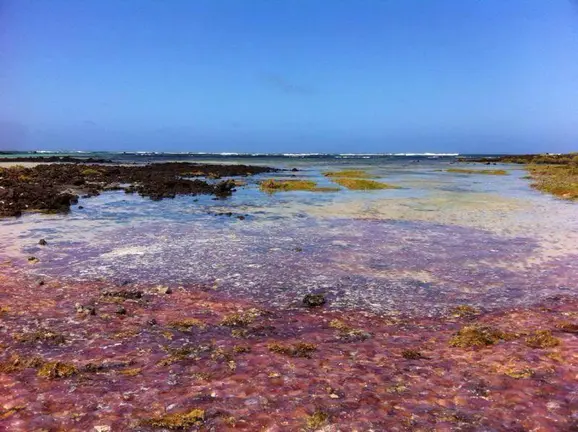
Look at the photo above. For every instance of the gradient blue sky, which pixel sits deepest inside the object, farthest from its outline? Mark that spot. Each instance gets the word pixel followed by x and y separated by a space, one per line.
pixel 289 75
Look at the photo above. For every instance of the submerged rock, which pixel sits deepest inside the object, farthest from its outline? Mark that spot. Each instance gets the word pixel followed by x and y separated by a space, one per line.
pixel 42 242
pixel 314 300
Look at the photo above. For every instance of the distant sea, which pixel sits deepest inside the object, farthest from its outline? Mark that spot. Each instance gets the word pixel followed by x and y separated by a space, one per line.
pixel 259 158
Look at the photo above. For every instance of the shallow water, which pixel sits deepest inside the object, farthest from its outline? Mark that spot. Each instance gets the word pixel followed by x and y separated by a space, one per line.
pixel 443 239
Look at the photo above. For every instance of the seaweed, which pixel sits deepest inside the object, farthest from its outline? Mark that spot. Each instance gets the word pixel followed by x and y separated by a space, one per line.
pixel 558 180
pixel 241 319
pixel 299 349
pixel 177 421
pixel 477 171
pixel 359 174
pixel 272 186
pixel 567 327
pixel 316 420
pixel 16 363
pixel 362 184
pixel 542 339
pixel 348 333
pixel 4 414
pixel 186 324
pixel 478 336
pixel 57 369
pixel 41 335
pixel 411 354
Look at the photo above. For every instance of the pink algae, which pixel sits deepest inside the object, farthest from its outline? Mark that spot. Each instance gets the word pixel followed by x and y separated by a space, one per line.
pixel 171 354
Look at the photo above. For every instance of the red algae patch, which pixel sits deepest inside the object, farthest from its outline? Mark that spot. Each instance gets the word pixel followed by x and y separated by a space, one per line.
pixel 282 369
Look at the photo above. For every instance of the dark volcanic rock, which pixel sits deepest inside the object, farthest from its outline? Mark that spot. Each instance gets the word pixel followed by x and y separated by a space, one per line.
pixel 42 242
pixel 53 188
pixel 314 300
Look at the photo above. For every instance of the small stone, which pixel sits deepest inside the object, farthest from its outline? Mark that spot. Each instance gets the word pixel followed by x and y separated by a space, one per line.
pixel 164 289
pixel 314 300
pixel 42 242
pixel 89 310
pixel 41 282
pixel 80 207
pixel 32 259
pixel 241 217
pixel 152 322
pixel 121 310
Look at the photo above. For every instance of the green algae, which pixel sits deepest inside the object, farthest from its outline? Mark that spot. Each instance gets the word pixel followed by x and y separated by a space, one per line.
pixel 241 319
pixel 360 174
pixel 272 186
pixel 478 336
pixel 182 353
pixel 519 373
pixel 316 420
pixel 362 184
pixel 558 180
pixel 89 172
pixel 177 421
pixel 187 324
pixel 542 339
pixel 476 171
pixel 348 333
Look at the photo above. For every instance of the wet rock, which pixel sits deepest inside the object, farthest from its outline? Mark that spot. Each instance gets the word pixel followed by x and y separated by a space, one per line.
pixel 411 354
pixel 294 170
pixel 42 242
pixel 241 217
pixel 314 300
pixel 82 309
pixel 80 207
pixel 46 188
pixel 125 294
pixel 120 310
pixel 32 260
pixel 152 322
pixel 40 283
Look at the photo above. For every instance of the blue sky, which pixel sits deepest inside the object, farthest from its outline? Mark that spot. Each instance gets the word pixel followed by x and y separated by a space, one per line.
pixel 289 75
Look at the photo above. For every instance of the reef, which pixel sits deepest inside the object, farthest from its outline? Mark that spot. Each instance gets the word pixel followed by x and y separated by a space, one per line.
pixel 53 159
pixel 175 362
pixel 53 188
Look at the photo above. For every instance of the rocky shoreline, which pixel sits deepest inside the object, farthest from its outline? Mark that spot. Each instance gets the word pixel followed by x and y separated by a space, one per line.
pixel 53 188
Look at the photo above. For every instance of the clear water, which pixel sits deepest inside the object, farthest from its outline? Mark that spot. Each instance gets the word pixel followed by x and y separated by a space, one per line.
pixel 442 239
